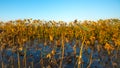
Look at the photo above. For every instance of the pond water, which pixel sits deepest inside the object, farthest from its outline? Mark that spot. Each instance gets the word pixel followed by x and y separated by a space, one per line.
pixel 33 55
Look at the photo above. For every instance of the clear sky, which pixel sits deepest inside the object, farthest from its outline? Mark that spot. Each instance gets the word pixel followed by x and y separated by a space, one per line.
pixel 66 10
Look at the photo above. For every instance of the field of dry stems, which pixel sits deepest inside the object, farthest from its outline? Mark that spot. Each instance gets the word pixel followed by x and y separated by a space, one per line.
pixel 49 44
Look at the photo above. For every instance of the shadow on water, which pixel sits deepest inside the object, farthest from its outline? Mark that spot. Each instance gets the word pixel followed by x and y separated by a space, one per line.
pixel 36 57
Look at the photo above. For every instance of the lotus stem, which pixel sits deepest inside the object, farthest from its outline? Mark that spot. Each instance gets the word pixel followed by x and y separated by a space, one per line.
pixel 62 52
pixel 80 55
pixel 18 60
pixel 90 59
pixel 25 50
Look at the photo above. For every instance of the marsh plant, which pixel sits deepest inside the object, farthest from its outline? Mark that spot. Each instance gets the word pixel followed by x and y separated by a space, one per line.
pixel 38 44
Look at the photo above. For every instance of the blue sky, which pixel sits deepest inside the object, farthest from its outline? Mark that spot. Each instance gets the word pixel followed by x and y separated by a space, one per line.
pixel 66 10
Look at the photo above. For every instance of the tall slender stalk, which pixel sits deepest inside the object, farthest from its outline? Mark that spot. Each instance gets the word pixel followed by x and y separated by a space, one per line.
pixel 25 50
pixel 12 61
pixel 62 51
pixel 18 59
pixel 2 64
pixel 90 62
pixel 2 61
pixel 80 55
pixel 74 55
